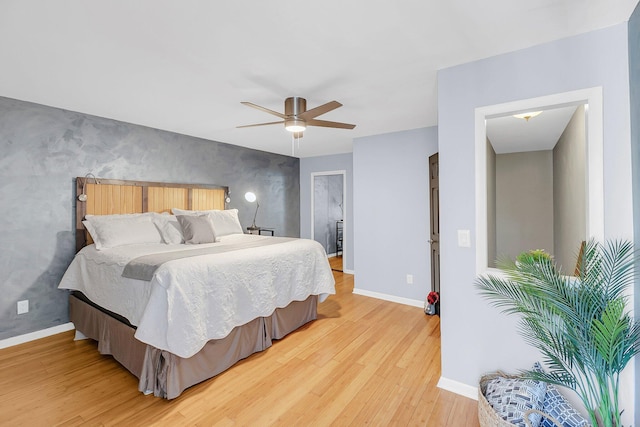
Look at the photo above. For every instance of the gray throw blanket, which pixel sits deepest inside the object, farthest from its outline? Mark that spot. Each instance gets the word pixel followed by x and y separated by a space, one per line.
pixel 144 267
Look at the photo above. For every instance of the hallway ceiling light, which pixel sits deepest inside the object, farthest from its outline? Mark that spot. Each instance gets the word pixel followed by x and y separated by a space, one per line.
pixel 527 115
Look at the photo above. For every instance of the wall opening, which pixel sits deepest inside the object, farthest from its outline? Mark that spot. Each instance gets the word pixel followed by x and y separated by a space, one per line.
pixel 536 179
pixel 489 223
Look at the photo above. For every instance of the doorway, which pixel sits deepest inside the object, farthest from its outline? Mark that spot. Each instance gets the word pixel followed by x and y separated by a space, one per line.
pixel 328 214
pixel 434 240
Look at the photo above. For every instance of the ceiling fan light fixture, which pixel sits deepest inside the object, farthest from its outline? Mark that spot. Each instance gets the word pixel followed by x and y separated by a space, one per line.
pixel 296 117
pixel 295 125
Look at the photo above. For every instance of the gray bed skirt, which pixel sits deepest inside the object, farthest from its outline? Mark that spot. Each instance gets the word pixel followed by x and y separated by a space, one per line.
pixel 166 375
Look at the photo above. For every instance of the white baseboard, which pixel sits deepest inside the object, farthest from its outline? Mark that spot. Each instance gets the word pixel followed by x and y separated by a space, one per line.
pixel 32 336
pixel 392 298
pixel 348 271
pixel 458 388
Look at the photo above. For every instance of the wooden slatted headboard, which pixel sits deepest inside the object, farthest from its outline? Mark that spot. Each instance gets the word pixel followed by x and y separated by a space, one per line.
pixel 112 196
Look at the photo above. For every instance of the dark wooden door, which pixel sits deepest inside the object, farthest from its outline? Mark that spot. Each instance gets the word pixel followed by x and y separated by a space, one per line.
pixel 435 222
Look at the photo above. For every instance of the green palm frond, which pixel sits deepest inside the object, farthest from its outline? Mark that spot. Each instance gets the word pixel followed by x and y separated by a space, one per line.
pixel 579 324
pixel 614 336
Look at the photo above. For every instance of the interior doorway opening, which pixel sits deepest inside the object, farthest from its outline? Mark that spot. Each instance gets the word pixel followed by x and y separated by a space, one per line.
pixel 328 214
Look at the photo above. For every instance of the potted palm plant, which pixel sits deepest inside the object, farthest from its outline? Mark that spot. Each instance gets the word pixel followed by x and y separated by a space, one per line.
pixel 580 323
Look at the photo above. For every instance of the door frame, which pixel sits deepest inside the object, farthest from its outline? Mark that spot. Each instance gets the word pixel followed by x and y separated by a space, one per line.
pixel 435 264
pixel 345 224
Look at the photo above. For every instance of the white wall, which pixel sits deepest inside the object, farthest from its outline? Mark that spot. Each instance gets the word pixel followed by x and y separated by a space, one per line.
pixel 634 82
pixel 391 213
pixel 476 338
pixel 309 165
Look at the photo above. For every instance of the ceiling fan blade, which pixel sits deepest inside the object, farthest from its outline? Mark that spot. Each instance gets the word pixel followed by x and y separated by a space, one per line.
pixel 327 124
pixel 259 124
pixel 266 110
pixel 315 112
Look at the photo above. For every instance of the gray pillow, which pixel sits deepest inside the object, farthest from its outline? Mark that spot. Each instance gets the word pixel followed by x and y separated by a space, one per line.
pixel 196 229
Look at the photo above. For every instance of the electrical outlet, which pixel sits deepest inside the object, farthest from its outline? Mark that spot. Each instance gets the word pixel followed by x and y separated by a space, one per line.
pixel 23 306
pixel 409 279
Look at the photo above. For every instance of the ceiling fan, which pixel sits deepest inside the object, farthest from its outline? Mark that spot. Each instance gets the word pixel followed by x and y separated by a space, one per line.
pixel 296 117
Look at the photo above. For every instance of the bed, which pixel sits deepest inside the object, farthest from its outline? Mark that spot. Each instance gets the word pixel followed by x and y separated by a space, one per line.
pixel 177 299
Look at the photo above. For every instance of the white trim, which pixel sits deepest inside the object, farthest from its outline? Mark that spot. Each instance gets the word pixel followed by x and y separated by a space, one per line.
pixel 458 388
pixel 387 297
pixel 345 224
pixel 595 169
pixel 32 336
pixel 344 270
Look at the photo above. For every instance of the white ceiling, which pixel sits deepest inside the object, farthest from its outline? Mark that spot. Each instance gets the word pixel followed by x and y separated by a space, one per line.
pixel 184 66
pixel 509 134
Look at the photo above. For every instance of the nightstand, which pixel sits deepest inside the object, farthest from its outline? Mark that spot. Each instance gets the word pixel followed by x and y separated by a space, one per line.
pixel 261 231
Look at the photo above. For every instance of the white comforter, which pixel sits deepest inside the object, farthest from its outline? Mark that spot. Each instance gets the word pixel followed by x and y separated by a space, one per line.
pixel 192 300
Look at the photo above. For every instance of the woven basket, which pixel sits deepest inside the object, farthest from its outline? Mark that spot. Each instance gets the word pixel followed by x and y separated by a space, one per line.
pixel 489 418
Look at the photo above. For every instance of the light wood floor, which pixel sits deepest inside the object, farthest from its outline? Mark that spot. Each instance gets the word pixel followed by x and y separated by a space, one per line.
pixel 336 263
pixel 363 362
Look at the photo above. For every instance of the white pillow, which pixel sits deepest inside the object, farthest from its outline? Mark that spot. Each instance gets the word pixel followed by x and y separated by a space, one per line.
pixel 110 231
pixel 170 229
pixel 224 222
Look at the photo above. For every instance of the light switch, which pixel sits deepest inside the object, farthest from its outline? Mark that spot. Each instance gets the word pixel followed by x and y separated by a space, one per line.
pixel 464 238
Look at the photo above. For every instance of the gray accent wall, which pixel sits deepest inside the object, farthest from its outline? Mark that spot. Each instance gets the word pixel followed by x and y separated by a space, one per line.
pixel 570 192
pixel 634 83
pixel 336 162
pixel 524 202
pixel 42 149
pixel 391 213
pixel 594 59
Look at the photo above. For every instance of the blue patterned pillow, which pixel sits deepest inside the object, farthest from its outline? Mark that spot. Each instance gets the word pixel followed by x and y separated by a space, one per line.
pixel 511 398
pixel 556 405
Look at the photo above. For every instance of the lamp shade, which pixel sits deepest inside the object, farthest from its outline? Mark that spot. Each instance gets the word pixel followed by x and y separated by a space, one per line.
pixel 251 197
